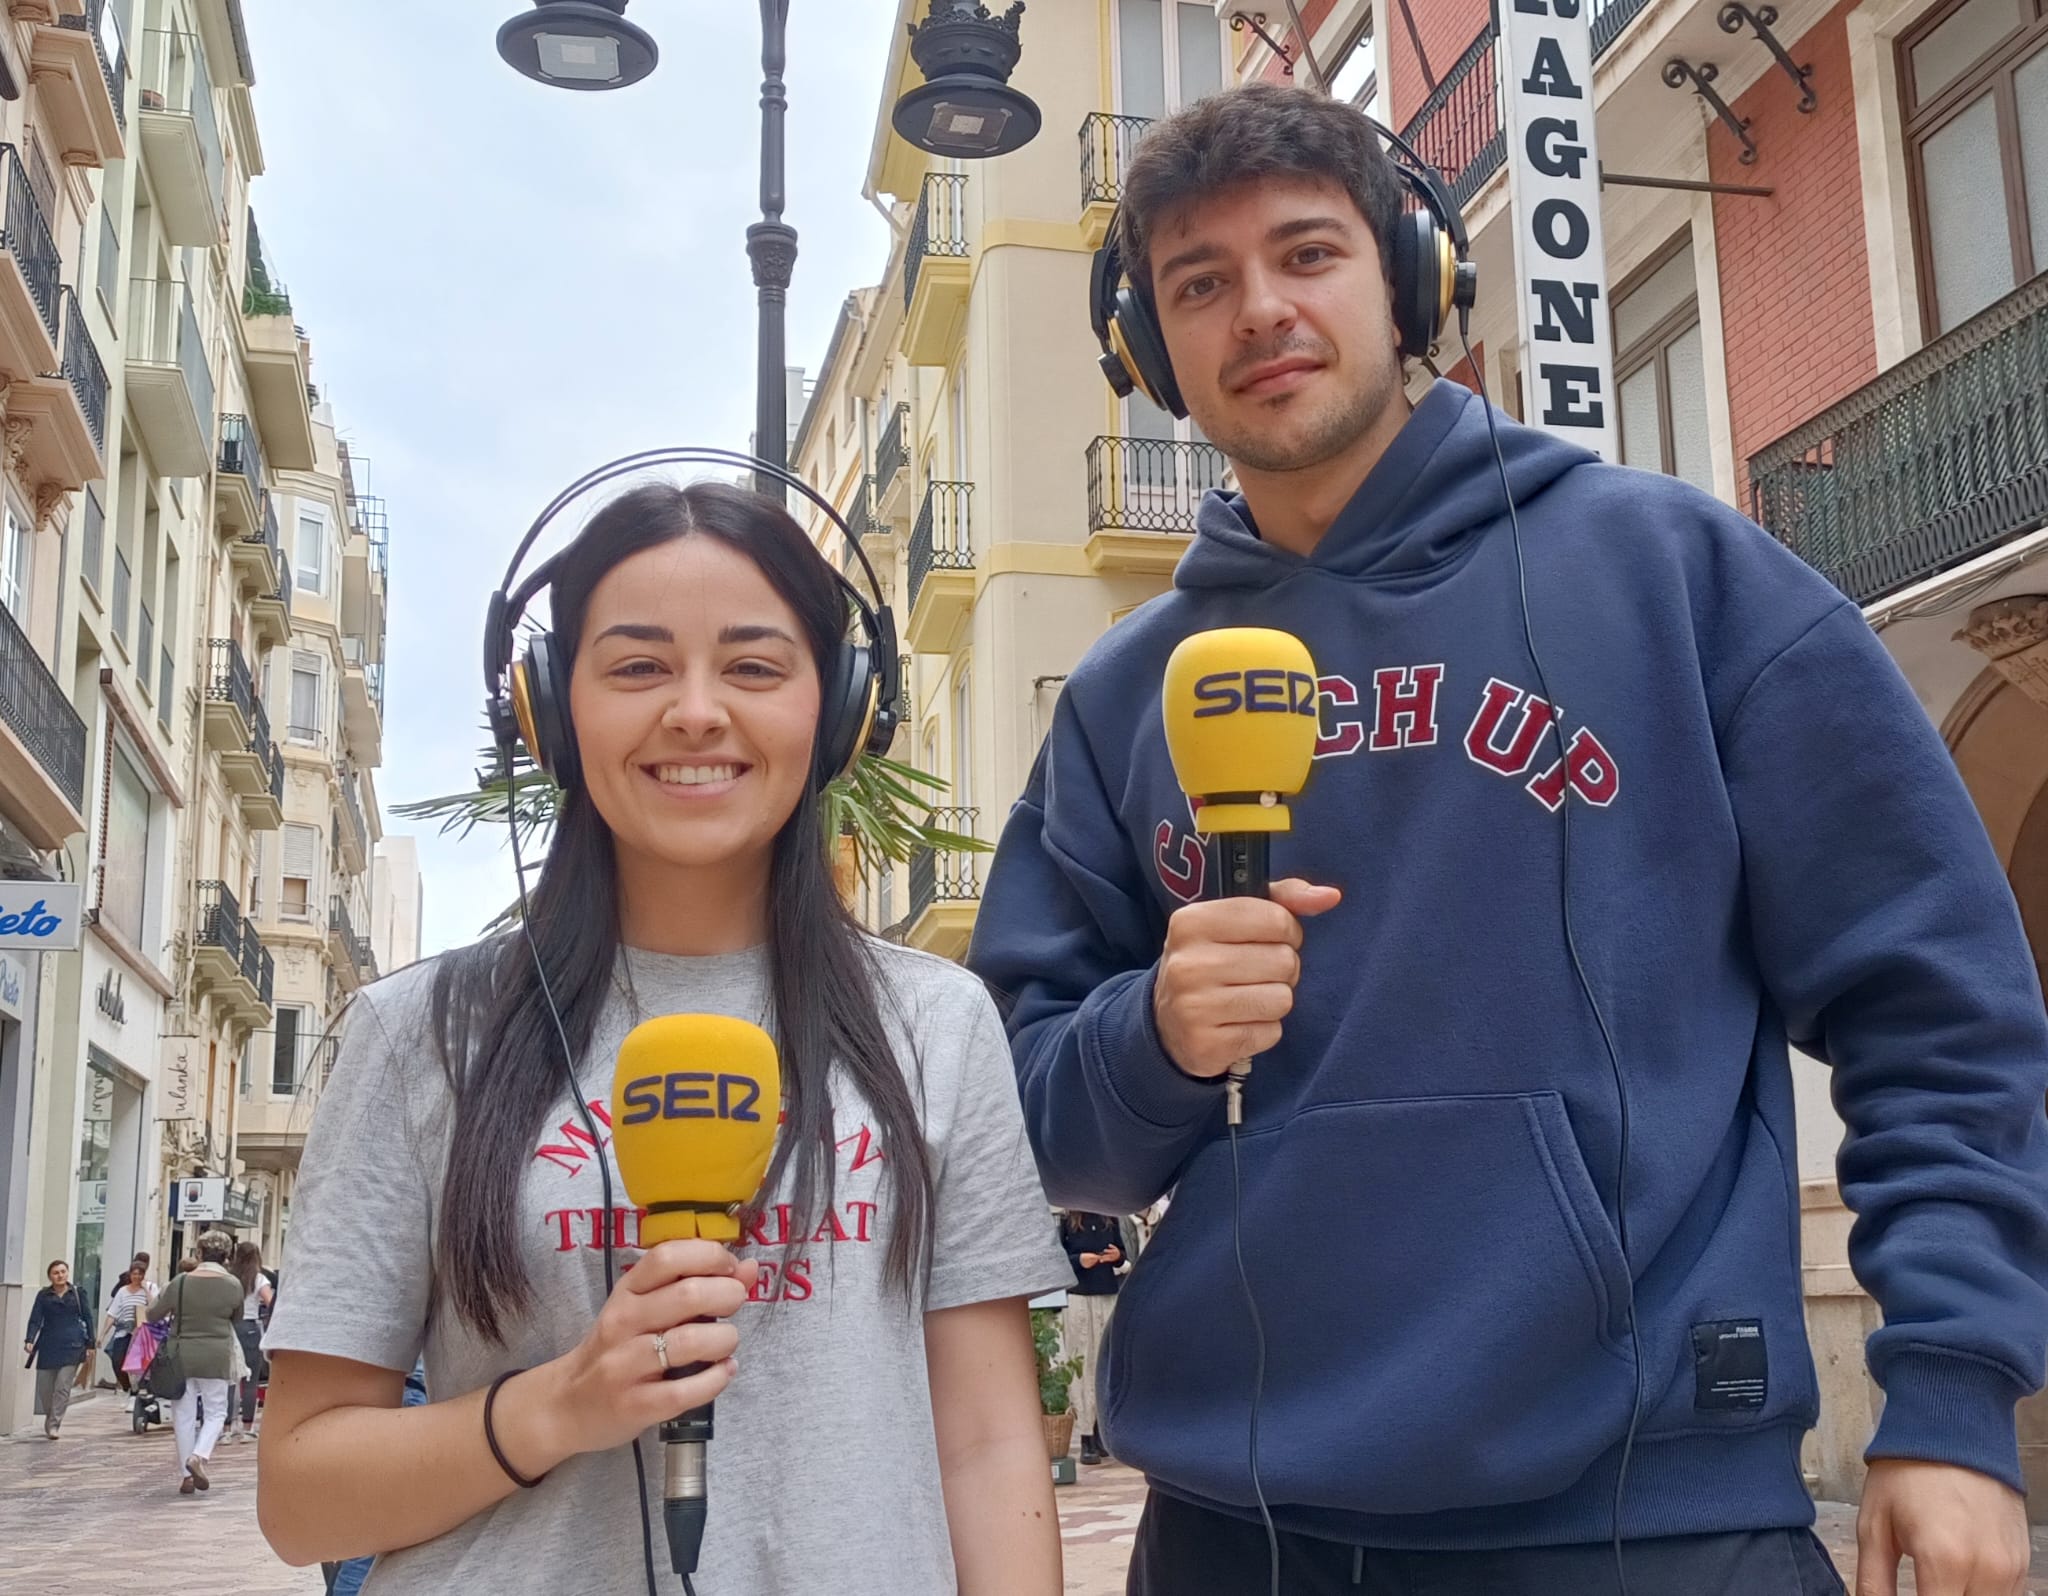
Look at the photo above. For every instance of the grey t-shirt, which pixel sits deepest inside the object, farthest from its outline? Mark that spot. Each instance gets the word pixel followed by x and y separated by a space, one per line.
pixel 824 1472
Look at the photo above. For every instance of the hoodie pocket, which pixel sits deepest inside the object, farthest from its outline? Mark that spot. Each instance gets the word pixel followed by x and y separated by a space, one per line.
pixel 1444 1304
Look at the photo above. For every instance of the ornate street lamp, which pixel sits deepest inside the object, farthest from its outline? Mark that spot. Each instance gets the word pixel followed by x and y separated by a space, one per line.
pixel 578 44
pixel 966 107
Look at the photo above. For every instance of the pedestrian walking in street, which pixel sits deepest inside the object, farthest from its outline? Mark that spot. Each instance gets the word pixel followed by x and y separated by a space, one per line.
pixel 247 1267
pixel 1095 1243
pixel 131 1296
pixel 703 694
pixel 59 1341
pixel 204 1304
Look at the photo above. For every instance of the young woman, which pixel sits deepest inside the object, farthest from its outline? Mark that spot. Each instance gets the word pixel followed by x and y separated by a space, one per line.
pixel 131 1295
pixel 879 1430
pixel 247 1267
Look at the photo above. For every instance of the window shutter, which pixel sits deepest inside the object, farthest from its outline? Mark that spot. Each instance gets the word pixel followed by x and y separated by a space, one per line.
pixel 301 850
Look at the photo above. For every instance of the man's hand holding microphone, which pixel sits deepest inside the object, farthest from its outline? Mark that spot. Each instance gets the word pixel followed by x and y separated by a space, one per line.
pixel 1227 976
pixel 1239 707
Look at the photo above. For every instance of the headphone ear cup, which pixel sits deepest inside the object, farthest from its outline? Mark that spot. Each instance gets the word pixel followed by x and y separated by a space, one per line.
pixel 1418 283
pixel 553 739
pixel 845 713
pixel 1143 346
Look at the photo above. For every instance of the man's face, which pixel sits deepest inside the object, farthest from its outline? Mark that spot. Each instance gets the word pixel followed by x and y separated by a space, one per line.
pixel 1276 314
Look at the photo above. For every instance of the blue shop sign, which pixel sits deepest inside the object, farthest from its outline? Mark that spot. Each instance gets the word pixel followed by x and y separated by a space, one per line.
pixel 40 916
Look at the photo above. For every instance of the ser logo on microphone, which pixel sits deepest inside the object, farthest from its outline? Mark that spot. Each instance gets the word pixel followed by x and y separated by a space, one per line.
pixel 691 1094
pixel 1256 692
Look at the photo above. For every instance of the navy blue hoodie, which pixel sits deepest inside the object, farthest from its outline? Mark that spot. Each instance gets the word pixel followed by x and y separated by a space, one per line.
pixel 1768 841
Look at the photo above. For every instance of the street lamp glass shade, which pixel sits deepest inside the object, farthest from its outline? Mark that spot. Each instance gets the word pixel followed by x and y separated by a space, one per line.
pixel 578 44
pixel 967 115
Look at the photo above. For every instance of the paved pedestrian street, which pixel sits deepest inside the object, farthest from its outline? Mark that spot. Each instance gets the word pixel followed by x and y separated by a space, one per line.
pixel 99 1511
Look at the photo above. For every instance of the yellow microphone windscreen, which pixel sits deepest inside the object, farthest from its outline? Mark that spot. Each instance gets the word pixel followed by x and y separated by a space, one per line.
pixel 695 1103
pixel 1240 709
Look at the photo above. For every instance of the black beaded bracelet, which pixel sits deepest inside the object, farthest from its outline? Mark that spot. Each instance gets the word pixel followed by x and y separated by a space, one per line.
pixel 491 1435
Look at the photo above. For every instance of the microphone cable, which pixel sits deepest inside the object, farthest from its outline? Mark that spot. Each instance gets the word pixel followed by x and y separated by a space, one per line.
pixel 1233 1114
pixel 603 1158
pixel 1572 948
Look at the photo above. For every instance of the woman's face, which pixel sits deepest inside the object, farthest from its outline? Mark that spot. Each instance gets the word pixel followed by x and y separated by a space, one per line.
pixel 60 1276
pixel 695 698
pixel 135 1277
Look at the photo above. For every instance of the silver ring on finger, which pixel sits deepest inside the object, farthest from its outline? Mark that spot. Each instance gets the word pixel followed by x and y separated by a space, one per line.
pixel 661 1350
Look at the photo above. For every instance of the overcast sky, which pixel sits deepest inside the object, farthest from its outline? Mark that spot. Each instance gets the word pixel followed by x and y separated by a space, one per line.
pixel 507 284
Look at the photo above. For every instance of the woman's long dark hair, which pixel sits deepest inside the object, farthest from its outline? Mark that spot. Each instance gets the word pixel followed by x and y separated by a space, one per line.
pixel 247 1265
pixel 492 1029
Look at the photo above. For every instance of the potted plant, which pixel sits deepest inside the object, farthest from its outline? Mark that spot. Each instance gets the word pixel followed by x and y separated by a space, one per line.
pixel 1055 1375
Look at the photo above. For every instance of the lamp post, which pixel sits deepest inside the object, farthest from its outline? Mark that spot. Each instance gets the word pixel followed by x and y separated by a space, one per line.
pixel 965 108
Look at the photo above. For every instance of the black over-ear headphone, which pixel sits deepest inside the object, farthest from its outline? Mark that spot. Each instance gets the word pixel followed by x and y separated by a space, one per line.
pixel 1433 275
pixel 528 700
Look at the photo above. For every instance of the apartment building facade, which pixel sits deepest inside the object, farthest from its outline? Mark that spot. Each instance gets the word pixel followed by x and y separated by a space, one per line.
pixel 1014 505
pixel 157 402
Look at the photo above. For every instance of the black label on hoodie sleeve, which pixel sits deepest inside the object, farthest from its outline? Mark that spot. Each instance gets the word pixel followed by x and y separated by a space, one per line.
pixel 1730 1371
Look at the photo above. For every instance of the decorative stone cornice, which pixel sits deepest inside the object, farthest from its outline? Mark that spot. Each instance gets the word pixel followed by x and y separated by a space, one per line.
pixel 2013 634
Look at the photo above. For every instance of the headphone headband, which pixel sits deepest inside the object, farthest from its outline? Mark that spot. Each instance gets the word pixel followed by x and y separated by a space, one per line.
pixel 529 701
pixel 508 604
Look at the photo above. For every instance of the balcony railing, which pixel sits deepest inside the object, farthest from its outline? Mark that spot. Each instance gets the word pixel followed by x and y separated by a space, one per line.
pixel 109 261
pixel 92 542
pixel 228 680
pixel 1457 129
pixel 944 875
pixel 35 709
pixel 1940 459
pixel 122 580
pixel 357 947
pixel 221 924
pixel 241 452
pixel 892 453
pixel 165 332
pixel 100 20
pixel 85 372
pixel 273 761
pixel 1107 141
pixel 1149 484
pixel 350 803
pixel 938 228
pixel 145 641
pixel 259 968
pixel 29 240
pixel 943 538
pixel 355 655
pixel 174 80
pixel 860 514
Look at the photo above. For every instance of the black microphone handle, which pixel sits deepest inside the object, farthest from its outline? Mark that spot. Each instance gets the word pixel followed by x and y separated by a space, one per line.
pixel 685 1497
pixel 1245 864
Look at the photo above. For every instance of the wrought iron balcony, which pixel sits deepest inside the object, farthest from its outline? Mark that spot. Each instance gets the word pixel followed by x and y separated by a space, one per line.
pixel 892 452
pixel 34 708
pixel 32 249
pixel 1107 141
pixel 945 875
pixel 943 537
pixel 1940 459
pixel 99 20
pixel 241 454
pixel 259 968
pixel 345 947
pixel 1457 129
pixel 228 679
pixel 1149 484
pixel 221 924
pixel 860 514
pixel 938 229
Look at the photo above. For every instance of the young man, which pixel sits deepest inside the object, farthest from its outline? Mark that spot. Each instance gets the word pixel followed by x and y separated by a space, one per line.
pixel 1767 841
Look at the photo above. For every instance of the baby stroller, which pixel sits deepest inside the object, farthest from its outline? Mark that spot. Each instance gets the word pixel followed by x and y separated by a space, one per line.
pixel 147 1409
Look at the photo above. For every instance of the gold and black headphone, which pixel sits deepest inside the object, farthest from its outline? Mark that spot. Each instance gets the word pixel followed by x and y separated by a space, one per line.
pixel 1432 268
pixel 527 700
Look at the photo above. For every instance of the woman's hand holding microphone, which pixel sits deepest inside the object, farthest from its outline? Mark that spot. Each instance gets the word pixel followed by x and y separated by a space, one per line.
pixel 670 1310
